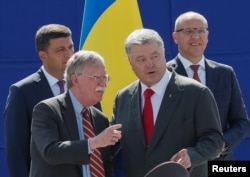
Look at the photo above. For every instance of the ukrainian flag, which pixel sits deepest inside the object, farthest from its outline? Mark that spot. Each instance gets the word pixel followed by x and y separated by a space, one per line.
pixel 105 26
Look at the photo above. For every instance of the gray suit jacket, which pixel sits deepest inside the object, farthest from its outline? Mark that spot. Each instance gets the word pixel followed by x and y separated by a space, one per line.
pixel 22 98
pixel 222 81
pixel 188 118
pixel 55 146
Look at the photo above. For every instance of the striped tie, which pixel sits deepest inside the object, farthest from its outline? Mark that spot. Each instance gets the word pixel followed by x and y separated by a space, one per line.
pixel 96 163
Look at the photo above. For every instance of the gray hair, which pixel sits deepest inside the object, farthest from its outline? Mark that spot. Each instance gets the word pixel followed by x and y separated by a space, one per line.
pixel 141 37
pixel 189 15
pixel 79 60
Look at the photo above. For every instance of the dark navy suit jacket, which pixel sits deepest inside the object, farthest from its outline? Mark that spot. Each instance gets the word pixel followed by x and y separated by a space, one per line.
pixel 222 81
pixel 22 98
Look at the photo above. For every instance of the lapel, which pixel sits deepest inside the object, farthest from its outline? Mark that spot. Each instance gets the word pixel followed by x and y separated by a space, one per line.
pixel 168 106
pixel 178 67
pixel 41 83
pixel 211 75
pixel 136 112
pixel 68 116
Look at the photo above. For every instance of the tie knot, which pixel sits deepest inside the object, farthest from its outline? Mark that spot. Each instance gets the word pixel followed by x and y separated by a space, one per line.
pixel 194 67
pixel 85 112
pixel 148 93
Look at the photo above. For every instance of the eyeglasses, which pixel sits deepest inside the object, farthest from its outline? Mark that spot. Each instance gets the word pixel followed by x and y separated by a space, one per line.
pixel 98 79
pixel 191 31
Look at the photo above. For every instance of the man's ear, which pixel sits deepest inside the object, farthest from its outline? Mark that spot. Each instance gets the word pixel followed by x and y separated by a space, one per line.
pixel 42 55
pixel 174 36
pixel 74 79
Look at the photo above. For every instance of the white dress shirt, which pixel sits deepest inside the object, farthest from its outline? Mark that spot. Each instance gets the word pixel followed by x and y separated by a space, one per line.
pixel 159 90
pixel 201 71
pixel 53 82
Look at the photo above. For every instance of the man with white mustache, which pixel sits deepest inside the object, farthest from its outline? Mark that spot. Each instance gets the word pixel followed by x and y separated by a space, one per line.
pixel 59 146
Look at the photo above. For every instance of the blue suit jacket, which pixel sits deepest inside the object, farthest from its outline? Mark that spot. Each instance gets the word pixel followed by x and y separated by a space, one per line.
pixel 22 98
pixel 222 81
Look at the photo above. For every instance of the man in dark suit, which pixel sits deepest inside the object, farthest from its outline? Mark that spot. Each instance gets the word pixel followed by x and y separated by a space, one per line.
pixel 186 125
pixel 58 143
pixel 191 36
pixel 54 46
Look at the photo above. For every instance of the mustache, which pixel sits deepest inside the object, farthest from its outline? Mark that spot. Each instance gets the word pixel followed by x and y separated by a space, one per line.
pixel 100 89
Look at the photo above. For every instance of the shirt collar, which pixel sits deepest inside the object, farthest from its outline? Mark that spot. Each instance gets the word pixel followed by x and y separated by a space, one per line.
pixel 159 87
pixel 78 107
pixel 186 63
pixel 51 79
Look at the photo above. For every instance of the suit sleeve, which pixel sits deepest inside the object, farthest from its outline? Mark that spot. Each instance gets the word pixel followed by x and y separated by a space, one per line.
pixel 208 129
pixel 237 116
pixel 17 133
pixel 53 141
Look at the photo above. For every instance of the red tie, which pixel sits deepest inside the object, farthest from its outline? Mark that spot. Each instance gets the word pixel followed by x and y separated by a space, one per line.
pixel 148 120
pixel 96 163
pixel 61 85
pixel 195 69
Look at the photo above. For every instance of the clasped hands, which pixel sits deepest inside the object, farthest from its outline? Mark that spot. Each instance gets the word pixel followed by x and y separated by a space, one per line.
pixel 109 136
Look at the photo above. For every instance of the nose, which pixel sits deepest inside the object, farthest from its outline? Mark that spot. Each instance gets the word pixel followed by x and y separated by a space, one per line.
pixel 150 62
pixel 102 83
pixel 195 34
pixel 68 53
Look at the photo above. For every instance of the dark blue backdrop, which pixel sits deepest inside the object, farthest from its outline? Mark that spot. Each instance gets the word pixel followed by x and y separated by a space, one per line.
pixel 228 40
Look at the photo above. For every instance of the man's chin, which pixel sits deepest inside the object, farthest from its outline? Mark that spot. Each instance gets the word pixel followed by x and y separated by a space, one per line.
pixel 99 96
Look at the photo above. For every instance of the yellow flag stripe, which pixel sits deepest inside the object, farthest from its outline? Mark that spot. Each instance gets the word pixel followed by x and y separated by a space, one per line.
pixel 107 37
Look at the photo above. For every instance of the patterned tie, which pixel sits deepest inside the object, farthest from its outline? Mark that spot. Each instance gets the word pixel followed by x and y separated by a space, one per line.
pixel 96 163
pixel 195 69
pixel 148 120
pixel 61 85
